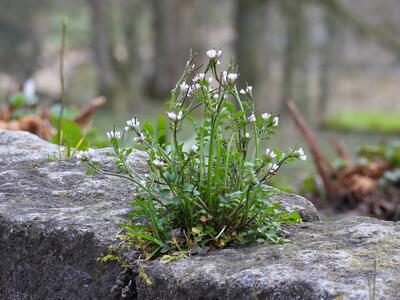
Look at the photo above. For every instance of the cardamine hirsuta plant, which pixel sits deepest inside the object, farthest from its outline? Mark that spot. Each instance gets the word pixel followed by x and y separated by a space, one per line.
pixel 215 190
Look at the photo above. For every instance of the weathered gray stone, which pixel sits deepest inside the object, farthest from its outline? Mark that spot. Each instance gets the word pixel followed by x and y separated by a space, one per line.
pixel 331 260
pixel 55 221
pixel 293 202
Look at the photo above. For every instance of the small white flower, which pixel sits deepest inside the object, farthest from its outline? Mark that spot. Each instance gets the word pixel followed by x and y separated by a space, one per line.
pixel 113 134
pixel 273 167
pixel 184 87
pixel 139 139
pixel 300 154
pixel 266 116
pixel 179 116
pixel 143 182
pixel 300 151
pixel 172 116
pixel 211 53
pixel 224 76
pixel 216 96
pixel 158 162
pixel 252 118
pixel 192 67
pixel 247 136
pixel 275 121
pixel 214 54
pixel 194 148
pixel 175 117
pixel 133 124
pixel 270 153
pixel 232 76
pixel 199 77
pixel 85 155
pixel 210 79
pixel 195 87
pixel 248 91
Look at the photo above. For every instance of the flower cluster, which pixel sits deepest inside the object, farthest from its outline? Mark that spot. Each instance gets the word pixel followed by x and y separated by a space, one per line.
pixel 158 162
pixel 252 118
pixel 216 189
pixel 114 135
pixel 133 124
pixel 175 117
pixel 300 154
pixel 85 156
pixel 214 55
pixel 248 91
pixel 270 154
pixel 229 77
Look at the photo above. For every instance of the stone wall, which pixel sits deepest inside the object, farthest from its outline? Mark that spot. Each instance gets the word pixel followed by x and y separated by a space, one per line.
pixel 55 221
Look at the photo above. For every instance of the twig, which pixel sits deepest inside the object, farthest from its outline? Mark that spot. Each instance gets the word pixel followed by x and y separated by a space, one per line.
pixel 324 168
pixel 340 150
pixel 87 112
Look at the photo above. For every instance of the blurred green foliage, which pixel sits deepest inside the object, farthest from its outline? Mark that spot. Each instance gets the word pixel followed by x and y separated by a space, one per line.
pixel 367 121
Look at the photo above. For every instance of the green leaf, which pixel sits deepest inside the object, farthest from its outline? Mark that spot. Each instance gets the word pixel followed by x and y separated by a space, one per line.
pixel 240 114
pixel 17 100
pixel 230 107
pixel 71 135
pixel 149 128
pixel 170 178
pixel 187 187
pixel 146 236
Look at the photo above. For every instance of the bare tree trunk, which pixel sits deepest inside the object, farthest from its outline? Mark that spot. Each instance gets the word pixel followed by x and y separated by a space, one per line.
pixel 295 65
pixel 126 62
pixel 204 20
pixel 21 40
pixel 173 29
pixel 330 56
pixel 366 30
pixel 101 49
pixel 251 44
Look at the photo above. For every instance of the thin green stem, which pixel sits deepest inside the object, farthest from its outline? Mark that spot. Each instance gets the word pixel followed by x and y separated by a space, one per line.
pixel 255 142
pixel 210 159
pixel 62 83
pixel 227 158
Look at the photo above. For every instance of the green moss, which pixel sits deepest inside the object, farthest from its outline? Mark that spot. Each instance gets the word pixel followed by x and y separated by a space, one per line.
pixel 145 277
pixel 367 121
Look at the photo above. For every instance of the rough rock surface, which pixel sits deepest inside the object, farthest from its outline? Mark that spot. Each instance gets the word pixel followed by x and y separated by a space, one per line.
pixel 55 221
pixel 331 260
pixel 292 202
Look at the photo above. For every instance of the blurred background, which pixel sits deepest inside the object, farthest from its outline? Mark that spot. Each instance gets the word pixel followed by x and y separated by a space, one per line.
pixel 338 60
